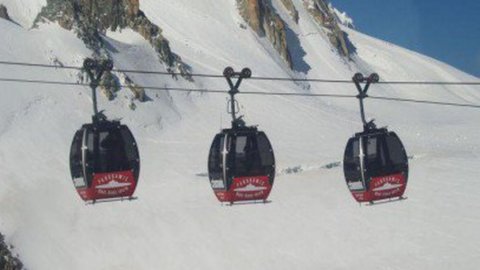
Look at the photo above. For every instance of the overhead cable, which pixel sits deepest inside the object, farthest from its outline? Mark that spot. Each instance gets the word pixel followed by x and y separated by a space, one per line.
pixel 262 78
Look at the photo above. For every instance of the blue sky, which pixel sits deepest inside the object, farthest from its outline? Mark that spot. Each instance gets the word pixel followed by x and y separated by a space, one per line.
pixel 443 29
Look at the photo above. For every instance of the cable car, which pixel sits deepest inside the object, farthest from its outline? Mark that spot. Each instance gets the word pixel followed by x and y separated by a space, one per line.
pixel 375 165
pixel 104 158
pixel 375 161
pixel 241 163
pixel 104 161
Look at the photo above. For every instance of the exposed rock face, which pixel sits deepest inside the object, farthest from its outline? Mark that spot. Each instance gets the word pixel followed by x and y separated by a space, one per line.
pixel 262 18
pixel 4 13
pixel 138 91
pixel 90 19
pixel 323 14
pixel 109 85
pixel 288 4
pixel 7 260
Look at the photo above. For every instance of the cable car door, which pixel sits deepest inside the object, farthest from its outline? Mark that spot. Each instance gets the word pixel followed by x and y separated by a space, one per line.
pixel 76 160
pixel 353 168
pixel 217 168
pixel 112 175
pixel 385 178
pixel 249 178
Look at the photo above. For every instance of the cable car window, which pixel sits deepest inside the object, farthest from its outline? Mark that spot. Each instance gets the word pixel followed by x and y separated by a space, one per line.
pixel 111 156
pixel 130 147
pixel 76 167
pixel 352 170
pixel 371 148
pixel 89 152
pixel 215 161
pixel 230 138
pixel 373 159
pixel 395 150
pixel 376 159
pixel 265 149
pixel 356 148
pixel 241 145
pixel 247 158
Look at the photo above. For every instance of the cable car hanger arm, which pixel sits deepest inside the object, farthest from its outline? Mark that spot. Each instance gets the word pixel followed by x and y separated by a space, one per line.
pixel 229 73
pixel 95 70
pixel 358 78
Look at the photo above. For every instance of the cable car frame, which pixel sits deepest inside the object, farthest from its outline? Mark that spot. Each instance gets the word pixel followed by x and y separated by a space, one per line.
pixel 104 157
pixel 375 161
pixel 241 162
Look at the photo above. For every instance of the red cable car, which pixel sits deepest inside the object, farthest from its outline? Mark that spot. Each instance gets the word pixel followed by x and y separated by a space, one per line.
pixel 104 161
pixel 375 166
pixel 375 161
pixel 241 163
pixel 104 158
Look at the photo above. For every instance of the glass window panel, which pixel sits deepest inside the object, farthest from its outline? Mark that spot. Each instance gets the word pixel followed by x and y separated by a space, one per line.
pixel 215 160
pixel 373 160
pixel 266 153
pixel 246 158
pixel 371 147
pixel 241 145
pixel 396 151
pixel 351 165
pixel 131 149
pixel 76 167
pixel 111 156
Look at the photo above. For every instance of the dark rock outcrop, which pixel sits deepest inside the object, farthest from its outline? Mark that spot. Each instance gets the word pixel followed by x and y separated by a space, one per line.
pixel 288 4
pixel 138 91
pixel 324 16
pixel 90 19
pixel 109 85
pixel 4 13
pixel 263 19
pixel 7 260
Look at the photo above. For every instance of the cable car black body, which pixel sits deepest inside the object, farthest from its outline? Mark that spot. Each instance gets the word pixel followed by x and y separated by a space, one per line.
pixel 241 163
pixel 104 161
pixel 375 165
pixel 104 158
pixel 375 161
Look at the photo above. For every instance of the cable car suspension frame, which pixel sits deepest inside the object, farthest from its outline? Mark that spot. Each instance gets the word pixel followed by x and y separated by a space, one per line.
pixel 95 69
pixel 229 74
pixel 358 78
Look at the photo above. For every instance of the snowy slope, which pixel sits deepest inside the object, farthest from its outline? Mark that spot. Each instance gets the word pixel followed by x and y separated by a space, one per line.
pixel 311 223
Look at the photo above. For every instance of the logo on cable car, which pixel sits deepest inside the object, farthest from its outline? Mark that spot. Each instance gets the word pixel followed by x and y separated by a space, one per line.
pixel 247 188
pixel 388 185
pixel 113 183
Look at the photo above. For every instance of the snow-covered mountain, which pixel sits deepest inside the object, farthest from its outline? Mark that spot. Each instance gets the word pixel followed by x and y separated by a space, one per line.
pixel 312 221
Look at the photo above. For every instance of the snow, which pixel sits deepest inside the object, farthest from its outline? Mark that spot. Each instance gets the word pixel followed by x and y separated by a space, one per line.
pixel 312 221
pixel 24 12
pixel 342 17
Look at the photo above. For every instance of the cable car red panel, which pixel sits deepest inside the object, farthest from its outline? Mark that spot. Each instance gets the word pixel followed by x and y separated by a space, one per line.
pixel 109 185
pixel 384 187
pixel 250 188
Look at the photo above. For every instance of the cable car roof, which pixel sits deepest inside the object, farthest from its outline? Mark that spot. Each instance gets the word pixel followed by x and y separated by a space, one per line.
pixel 241 129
